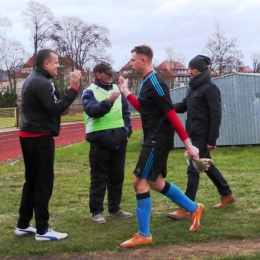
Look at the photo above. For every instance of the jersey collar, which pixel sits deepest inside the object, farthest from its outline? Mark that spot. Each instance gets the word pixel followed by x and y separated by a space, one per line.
pixel 144 78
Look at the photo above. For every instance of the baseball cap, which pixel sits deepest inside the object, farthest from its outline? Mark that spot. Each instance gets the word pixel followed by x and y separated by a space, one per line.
pixel 104 67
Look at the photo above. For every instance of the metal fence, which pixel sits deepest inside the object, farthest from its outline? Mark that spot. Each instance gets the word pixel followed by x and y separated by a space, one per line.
pixel 240 110
pixel 10 117
pixel 240 95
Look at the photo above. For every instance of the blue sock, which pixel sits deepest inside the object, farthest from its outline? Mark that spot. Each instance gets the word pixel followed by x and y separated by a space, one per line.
pixel 177 196
pixel 143 212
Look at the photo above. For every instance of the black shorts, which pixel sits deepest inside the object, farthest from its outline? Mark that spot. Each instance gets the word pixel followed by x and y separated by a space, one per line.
pixel 152 162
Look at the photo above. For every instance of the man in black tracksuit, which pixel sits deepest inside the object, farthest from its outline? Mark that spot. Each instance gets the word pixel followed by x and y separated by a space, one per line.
pixel 203 107
pixel 41 111
pixel 108 126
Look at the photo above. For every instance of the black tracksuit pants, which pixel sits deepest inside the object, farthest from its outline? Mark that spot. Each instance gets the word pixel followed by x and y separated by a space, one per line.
pixel 38 154
pixel 213 173
pixel 107 172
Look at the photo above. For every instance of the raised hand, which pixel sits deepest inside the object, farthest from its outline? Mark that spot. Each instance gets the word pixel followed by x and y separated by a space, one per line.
pixel 113 96
pixel 123 85
pixel 75 79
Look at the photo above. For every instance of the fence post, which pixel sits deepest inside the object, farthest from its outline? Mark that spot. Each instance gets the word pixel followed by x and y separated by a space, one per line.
pixel 17 116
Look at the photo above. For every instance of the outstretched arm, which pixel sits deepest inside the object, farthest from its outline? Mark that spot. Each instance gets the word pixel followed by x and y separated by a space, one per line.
pixel 48 97
pixel 123 85
pixel 179 128
pixel 133 101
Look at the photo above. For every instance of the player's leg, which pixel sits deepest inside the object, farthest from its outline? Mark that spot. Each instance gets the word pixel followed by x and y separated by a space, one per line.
pixel 143 199
pixel 143 211
pixel 157 183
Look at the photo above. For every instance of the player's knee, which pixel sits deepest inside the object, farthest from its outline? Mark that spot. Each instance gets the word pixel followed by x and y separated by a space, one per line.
pixel 141 186
pixel 135 186
pixel 154 186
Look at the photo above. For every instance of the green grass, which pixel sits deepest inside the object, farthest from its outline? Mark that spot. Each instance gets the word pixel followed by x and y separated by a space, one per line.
pixel 6 122
pixel 72 118
pixel 69 204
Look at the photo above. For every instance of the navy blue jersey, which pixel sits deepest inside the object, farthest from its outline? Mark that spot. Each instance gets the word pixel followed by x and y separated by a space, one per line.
pixel 155 102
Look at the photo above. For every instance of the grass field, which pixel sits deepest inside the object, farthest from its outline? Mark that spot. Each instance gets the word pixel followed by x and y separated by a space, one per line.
pixel 8 122
pixel 72 118
pixel 69 204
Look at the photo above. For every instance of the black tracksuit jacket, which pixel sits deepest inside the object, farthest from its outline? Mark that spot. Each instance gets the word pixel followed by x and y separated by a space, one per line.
pixel 203 107
pixel 41 107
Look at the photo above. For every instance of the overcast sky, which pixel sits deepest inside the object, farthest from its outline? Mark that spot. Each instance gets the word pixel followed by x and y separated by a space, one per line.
pixel 184 25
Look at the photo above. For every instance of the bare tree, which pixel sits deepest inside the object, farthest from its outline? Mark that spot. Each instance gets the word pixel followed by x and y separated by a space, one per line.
pixel 81 41
pixel 155 63
pixel 12 56
pixel 174 59
pixel 5 25
pixel 256 62
pixel 40 21
pixel 225 56
pixel 171 55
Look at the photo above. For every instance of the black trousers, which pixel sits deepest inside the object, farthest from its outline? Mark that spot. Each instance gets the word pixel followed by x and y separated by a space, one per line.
pixel 38 154
pixel 213 173
pixel 107 172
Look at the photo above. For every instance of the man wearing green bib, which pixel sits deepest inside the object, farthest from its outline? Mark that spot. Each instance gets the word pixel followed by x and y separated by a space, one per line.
pixel 108 127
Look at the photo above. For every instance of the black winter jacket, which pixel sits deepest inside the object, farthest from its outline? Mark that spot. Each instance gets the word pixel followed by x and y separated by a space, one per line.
pixel 111 138
pixel 41 108
pixel 203 106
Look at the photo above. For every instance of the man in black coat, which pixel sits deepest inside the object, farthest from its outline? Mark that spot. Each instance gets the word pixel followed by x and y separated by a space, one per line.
pixel 41 111
pixel 203 107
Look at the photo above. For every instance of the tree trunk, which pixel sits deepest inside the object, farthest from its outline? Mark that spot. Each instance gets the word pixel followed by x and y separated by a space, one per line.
pixel 10 79
pixel 14 78
pixel 35 50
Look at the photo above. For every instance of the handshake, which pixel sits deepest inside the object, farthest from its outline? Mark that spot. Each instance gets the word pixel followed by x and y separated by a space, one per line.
pixel 200 165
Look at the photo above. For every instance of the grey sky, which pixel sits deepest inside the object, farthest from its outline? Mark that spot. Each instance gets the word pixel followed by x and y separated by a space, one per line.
pixel 184 25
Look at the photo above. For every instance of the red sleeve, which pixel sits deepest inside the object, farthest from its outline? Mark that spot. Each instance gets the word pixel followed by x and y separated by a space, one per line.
pixel 177 124
pixel 134 102
pixel 74 89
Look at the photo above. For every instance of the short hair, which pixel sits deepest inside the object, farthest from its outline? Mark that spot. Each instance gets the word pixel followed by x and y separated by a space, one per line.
pixel 145 50
pixel 42 56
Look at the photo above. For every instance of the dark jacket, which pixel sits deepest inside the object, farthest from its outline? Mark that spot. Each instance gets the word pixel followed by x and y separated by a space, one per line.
pixel 41 107
pixel 112 138
pixel 203 106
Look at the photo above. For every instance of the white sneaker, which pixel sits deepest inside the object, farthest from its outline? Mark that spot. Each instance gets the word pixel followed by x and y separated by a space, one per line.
pixel 24 231
pixel 121 214
pixel 50 235
pixel 98 218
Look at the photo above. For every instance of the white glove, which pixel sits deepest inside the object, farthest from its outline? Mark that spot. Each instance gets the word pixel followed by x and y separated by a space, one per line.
pixel 200 165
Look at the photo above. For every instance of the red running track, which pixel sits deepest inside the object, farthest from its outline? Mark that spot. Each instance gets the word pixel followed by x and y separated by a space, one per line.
pixel 10 149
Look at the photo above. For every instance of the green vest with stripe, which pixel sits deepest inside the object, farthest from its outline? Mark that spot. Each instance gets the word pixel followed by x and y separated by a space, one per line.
pixel 111 120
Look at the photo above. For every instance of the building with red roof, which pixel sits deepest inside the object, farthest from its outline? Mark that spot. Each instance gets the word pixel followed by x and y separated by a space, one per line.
pixel 175 75
pixel 245 69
